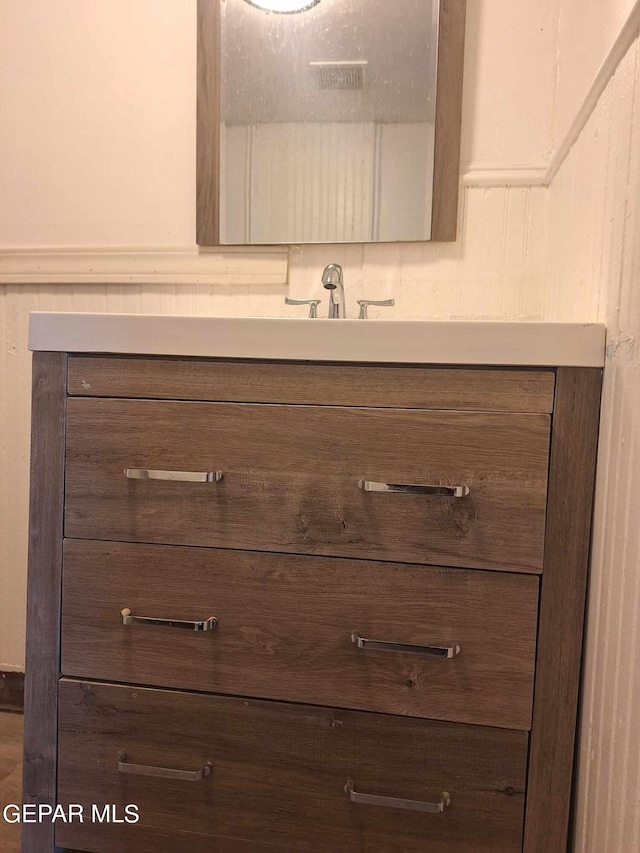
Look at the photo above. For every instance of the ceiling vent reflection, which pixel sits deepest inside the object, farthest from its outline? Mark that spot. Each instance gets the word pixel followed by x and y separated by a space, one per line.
pixel 340 75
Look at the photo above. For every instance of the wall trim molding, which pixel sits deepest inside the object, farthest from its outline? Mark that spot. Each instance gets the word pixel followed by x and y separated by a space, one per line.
pixel 265 266
pixel 627 34
pixel 529 175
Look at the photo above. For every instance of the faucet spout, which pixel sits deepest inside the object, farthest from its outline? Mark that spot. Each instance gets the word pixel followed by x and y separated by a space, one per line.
pixel 332 280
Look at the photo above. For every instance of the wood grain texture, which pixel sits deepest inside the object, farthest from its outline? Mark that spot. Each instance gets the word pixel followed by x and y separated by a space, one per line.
pixel 285 625
pixel 291 475
pixel 11 691
pixel 571 485
pixel 314 384
pixel 446 172
pixel 44 591
pixel 208 125
pixel 278 776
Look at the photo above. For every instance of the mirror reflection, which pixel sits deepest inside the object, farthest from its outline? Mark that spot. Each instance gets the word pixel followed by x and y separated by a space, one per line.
pixel 327 120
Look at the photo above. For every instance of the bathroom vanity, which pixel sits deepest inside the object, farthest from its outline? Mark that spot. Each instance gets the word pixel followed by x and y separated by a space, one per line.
pixel 308 587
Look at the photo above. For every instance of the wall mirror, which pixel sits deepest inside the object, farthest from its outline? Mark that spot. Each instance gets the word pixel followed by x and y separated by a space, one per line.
pixel 328 121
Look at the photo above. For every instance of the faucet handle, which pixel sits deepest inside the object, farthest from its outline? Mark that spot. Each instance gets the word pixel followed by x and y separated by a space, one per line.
pixel 313 303
pixel 364 304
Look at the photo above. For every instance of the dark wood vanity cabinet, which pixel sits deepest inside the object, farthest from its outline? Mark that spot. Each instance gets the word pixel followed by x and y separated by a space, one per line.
pixel 306 608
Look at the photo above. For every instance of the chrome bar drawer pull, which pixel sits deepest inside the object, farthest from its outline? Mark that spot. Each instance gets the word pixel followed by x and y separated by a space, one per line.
pixel 393 803
pixel 163 772
pixel 128 619
pixel 415 489
pixel 175 476
pixel 445 652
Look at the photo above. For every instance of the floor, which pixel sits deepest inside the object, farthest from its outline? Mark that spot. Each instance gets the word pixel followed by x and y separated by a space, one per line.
pixel 10 777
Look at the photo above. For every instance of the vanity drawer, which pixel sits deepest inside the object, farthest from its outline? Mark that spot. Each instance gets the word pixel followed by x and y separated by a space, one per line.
pixel 286 624
pixel 291 474
pixel 313 383
pixel 280 776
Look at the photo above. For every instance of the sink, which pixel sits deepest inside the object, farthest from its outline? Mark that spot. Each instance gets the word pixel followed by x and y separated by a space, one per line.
pixel 382 341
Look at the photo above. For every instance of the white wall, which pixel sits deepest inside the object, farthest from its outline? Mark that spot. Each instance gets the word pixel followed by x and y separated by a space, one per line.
pixel 587 30
pixel 405 190
pixel 510 76
pixel 98 106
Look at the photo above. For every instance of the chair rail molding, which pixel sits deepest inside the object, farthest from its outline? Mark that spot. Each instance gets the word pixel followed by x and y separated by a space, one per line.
pixel 496 175
pixel 143 265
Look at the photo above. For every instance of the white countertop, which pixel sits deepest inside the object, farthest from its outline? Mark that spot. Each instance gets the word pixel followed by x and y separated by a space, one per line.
pixel 386 341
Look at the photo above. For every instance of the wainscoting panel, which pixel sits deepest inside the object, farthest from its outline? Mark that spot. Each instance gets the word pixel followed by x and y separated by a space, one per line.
pixel 594 266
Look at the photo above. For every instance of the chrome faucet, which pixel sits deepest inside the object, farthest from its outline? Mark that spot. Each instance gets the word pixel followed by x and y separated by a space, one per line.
pixel 332 280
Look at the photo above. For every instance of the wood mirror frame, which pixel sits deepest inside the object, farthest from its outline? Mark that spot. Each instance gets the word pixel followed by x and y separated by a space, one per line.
pixel 448 114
